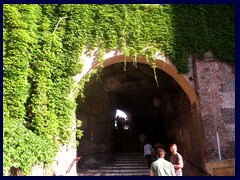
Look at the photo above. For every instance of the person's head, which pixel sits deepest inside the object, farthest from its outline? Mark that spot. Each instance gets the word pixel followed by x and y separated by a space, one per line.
pixel 158 145
pixel 160 152
pixel 173 148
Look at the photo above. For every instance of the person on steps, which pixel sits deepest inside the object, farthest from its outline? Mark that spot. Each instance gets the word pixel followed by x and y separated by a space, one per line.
pixel 161 167
pixel 148 152
pixel 176 159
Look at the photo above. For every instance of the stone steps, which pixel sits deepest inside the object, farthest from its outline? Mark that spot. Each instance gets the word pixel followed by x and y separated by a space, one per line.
pixel 113 174
pixel 123 164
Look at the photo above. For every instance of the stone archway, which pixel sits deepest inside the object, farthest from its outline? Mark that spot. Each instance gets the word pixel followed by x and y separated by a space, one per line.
pixel 164 66
pixel 175 120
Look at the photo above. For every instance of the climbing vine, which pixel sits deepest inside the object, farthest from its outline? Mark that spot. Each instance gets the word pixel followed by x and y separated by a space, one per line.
pixel 42 48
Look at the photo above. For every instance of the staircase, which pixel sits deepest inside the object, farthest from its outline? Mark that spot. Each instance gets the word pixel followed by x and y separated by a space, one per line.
pixel 123 164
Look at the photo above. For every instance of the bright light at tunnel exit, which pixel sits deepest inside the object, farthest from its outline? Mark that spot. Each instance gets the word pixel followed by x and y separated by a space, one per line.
pixel 120 113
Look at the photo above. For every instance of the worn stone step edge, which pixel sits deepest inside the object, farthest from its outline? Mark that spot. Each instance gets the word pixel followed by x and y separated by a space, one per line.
pixel 124 167
pixel 117 167
pixel 117 170
pixel 142 155
pixel 128 162
pixel 113 174
pixel 125 164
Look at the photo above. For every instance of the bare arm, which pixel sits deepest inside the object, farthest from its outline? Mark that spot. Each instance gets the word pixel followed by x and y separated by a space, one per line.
pixel 179 164
pixel 151 173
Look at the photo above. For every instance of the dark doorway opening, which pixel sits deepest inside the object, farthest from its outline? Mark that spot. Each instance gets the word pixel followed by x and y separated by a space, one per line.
pixel 158 108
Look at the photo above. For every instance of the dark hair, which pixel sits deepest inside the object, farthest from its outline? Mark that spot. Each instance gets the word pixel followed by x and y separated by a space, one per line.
pixel 159 145
pixel 173 144
pixel 160 152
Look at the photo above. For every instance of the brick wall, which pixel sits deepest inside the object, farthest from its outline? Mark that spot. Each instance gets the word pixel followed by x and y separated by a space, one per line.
pixel 216 91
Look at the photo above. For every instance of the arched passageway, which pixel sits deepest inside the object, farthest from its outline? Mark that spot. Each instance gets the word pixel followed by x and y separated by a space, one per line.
pixel 164 113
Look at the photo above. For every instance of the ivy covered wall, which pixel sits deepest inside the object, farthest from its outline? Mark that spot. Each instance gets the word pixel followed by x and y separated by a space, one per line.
pixel 42 46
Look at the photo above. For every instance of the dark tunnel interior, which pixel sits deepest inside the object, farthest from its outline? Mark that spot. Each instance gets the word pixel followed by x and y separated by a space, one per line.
pixel 155 104
pixel 152 104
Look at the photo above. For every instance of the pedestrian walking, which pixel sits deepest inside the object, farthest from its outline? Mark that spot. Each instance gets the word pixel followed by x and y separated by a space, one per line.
pixel 148 152
pixel 161 167
pixel 176 159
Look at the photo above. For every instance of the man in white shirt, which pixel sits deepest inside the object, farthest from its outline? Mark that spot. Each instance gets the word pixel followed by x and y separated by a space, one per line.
pixel 161 167
pixel 148 151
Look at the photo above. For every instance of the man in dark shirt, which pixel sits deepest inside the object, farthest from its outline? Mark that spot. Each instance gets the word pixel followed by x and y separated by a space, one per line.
pixel 176 159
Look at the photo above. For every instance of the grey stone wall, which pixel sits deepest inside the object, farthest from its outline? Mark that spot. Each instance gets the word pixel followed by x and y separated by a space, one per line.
pixel 216 91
